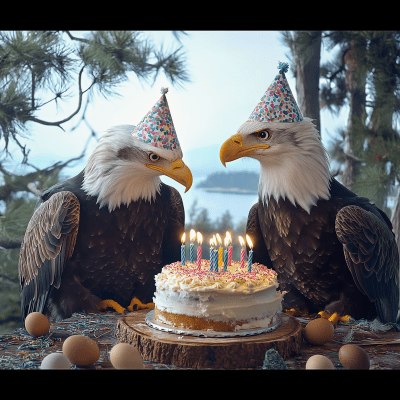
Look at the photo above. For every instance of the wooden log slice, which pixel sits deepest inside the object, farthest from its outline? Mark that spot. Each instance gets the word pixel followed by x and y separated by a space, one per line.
pixel 200 352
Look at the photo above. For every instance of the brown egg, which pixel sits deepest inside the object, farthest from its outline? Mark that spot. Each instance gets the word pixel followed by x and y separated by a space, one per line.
pixel 353 357
pixel 319 362
pixel 125 356
pixel 318 331
pixel 81 350
pixel 37 324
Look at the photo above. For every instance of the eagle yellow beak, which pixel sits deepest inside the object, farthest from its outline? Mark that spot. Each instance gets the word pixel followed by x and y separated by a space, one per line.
pixel 233 148
pixel 178 171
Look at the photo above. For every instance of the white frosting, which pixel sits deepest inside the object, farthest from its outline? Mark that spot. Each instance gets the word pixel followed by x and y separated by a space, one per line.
pixel 235 280
pixel 219 306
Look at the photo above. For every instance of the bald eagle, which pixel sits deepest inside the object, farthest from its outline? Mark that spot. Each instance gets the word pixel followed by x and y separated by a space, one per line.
pixel 106 232
pixel 332 250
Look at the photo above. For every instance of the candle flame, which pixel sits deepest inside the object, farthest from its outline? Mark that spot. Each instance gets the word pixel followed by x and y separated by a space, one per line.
pixel 183 238
pixel 249 242
pixel 192 235
pixel 219 239
pixel 199 238
pixel 241 241
pixel 229 237
pixel 226 241
pixel 213 242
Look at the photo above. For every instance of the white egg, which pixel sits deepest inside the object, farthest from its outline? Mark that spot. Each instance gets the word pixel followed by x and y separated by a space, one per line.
pixel 319 362
pixel 55 361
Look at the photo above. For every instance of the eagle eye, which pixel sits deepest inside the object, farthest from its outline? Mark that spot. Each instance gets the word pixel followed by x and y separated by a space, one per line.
pixel 264 134
pixel 153 157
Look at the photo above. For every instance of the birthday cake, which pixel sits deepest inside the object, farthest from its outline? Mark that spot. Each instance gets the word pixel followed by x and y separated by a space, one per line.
pixel 197 298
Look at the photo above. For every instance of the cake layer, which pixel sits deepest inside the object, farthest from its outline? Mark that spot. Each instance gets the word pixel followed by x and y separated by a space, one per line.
pixel 218 305
pixel 198 323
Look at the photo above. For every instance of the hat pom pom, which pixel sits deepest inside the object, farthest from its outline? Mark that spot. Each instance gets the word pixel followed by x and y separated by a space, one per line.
pixel 283 66
pixel 164 90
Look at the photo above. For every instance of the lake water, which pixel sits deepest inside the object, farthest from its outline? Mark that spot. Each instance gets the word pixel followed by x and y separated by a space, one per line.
pixel 216 203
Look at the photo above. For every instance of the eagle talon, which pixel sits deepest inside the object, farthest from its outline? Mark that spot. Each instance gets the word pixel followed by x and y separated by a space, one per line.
pixel 334 317
pixel 139 305
pixel 295 312
pixel 104 304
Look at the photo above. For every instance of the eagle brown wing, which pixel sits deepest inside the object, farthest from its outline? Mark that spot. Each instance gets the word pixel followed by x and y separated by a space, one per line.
pixel 372 256
pixel 48 242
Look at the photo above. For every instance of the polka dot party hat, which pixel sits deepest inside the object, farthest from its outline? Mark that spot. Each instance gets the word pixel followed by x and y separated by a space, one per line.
pixel 278 103
pixel 157 127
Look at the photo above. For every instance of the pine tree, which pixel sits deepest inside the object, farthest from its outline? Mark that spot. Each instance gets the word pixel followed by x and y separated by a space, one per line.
pixel 365 76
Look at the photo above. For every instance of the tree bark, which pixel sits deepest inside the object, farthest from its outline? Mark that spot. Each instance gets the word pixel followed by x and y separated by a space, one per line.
pixel 355 85
pixel 306 70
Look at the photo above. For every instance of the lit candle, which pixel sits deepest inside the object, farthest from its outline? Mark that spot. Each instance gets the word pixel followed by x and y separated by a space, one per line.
pixel 183 256
pixel 220 251
pixel 242 252
pixel 211 254
pixel 215 259
pixel 250 260
pixel 191 247
pixel 199 249
pixel 230 248
pixel 214 254
pixel 226 253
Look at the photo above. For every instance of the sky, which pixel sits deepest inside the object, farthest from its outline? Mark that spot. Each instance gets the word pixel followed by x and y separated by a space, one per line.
pixel 229 71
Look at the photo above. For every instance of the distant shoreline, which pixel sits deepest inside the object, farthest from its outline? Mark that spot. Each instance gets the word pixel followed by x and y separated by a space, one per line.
pixel 229 190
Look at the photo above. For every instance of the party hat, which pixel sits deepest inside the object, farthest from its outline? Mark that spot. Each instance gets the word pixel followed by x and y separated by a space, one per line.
pixel 157 127
pixel 278 103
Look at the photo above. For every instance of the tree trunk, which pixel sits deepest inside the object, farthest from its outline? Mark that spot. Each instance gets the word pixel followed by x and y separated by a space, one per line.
pixel 306 52
pixel 396 219
pixel 355 85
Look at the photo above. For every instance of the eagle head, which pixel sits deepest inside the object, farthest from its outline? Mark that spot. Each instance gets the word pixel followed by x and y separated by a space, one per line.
pixel 294 163
pixel 122 169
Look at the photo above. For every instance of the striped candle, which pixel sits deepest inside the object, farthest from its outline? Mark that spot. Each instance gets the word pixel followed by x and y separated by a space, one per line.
pixel 191 252
pixel 211 254
pixel 220 256
pixel 228 238
pixel 242 252
pixel 225 260
pixel 250 260
pixel 191 247
pixel 183 255
pixel 199 249
pixel 230 249
pixel 215 260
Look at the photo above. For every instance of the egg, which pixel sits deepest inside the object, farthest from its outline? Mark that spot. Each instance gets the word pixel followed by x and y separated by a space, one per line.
pixel 353 357
pixel 319 362
pixel 37 324
pixel 81 350
pixel 318 331
pixel 55 361
pixel 125 356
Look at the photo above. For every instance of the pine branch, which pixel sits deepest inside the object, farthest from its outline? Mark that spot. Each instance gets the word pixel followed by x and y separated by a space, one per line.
pixel 33 188
pixel 14 243
pixel 352 157
pixel 76 38
pixel 58 123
